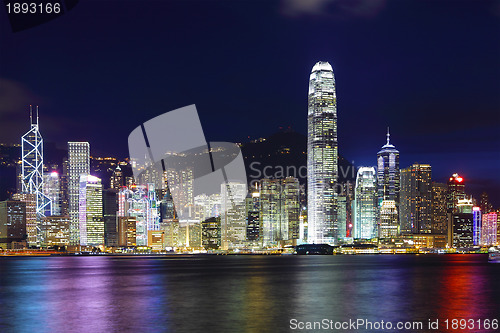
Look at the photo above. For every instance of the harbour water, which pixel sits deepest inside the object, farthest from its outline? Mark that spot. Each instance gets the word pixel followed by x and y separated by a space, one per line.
pixel 204 293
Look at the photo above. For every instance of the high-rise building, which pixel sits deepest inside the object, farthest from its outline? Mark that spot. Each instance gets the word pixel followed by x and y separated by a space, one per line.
pixel 456 191
pixel 489 227
pixel 140 202
pixel 52 190
pixel 461 230
pixel 415 213
pixel 476 225
pixel 365 203
pixel 233 220
pixel 116 181
pixel 110 210
pixel 126 231
pixel 210 234
pixel 55 230
pixel 322 155
pixel 279 210
pixel 32 167
pixel 388 173
pixel 90 211
pixel 439 208
pixel 78 164
pixel 31 221
pixel 389 223
pixel 12 222
pixel 253 216
pixel 485 203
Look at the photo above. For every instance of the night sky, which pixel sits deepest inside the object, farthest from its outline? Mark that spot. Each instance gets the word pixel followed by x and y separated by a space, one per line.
pixel 428 69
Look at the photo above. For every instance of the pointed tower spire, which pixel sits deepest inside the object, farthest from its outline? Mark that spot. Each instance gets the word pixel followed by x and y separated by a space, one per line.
pixel 31 115
pixel 37 114
pixel 388 135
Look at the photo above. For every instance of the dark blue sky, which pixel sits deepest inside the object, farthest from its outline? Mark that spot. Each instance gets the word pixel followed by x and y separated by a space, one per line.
pixel 428 69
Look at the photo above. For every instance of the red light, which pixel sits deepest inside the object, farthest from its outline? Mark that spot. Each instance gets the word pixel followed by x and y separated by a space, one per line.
pixel 460 179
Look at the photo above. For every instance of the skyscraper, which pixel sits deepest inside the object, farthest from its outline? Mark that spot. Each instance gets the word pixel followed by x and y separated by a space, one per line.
pixel 388 173
pixel 456 191
pixel 78 164
pixel 389 223
pixel 439 210
pixel 91 222
pixel 32 173
pixel 415 199
pixel 322 155
pixel 279 210
pixel 365 203
pixel 489 227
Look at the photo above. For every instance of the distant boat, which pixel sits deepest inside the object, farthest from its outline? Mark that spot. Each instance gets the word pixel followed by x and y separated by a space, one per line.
pixel 494 255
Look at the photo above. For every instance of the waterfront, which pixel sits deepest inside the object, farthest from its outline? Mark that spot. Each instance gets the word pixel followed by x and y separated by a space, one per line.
pixel 241 293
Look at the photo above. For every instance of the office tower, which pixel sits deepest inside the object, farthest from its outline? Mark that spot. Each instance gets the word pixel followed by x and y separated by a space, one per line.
pixel 152 209
pixel 211 233
pixel 190 234
pixel 439 208
pixel 90 211
pixel 389 223
pixel 64 187
pixel 476 225
pixel 55 230
pixel 133 202
pixel 461 230
pixel 485 204
pixel 110 209
pixel 456 191
pixel 388 173
pixel 181 187
pixel 342 215
pixel 78 164
pixel 116 181
pixel 279 210
pixel 489 228
pixel 365 203
pixel 140 202
pixel 52 190
pixel 465 205
pixel 167 209
pixel 415 199
pixel 32 227
pixel 126 231
pixel 12 223
pixel 253 215
pixel 233 220
pixel 32 168
pixel 322 155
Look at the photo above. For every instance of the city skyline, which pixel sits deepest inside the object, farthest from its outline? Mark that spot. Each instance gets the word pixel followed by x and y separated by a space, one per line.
pixel 432 83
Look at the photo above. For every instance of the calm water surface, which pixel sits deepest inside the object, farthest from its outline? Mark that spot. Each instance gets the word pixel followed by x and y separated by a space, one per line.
pixel 242 293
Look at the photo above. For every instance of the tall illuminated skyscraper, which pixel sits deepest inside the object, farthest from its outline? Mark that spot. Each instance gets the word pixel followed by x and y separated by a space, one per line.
pixel 91 222
pixel 365 204
pixel 32 173
pixel 388 173
pixel 322 155
pixel 415 214
pixel 78 164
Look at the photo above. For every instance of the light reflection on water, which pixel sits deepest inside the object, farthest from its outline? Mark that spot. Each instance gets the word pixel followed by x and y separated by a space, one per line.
pixel 240 293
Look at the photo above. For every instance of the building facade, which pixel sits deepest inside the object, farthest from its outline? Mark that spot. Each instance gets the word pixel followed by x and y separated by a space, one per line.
pixel 78 164
pixel 322 155
pixel 415 214
pixel 365 204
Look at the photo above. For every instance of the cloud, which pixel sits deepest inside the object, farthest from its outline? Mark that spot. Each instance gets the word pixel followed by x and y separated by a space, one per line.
pixel 336 8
